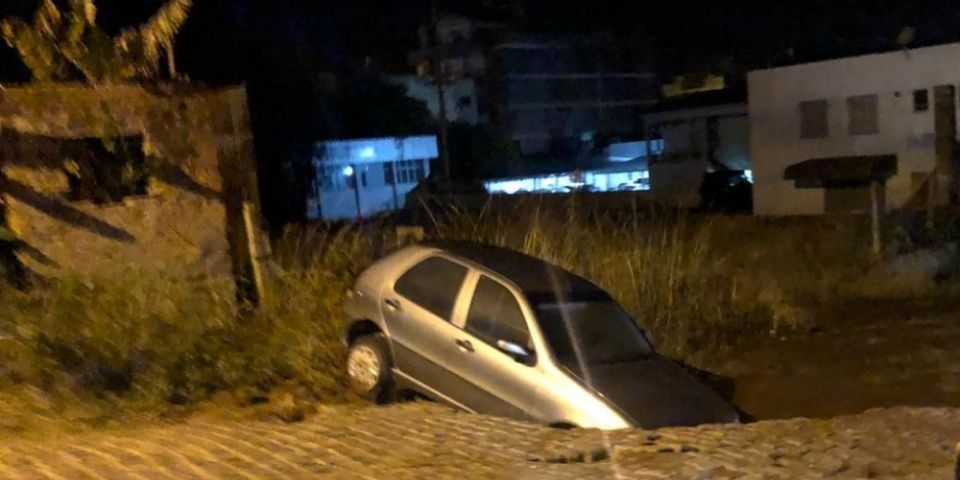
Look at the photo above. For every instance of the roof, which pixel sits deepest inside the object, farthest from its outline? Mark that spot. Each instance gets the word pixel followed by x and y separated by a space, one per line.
pixel 858 170
pixel 376 150
pixel 535 277
pixel 736 94
pixel 887 50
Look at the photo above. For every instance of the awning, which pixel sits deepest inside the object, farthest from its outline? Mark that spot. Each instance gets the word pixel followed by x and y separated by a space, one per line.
pixel 842 171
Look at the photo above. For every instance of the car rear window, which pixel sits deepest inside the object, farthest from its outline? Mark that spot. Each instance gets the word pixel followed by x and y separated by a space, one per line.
pixel 433 284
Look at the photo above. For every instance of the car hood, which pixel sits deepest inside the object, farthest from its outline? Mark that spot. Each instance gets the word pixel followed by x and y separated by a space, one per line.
pixel 656 392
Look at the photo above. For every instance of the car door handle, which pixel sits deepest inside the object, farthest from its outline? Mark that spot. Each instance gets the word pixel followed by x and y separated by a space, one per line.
pixel 392 304
pixel 465 345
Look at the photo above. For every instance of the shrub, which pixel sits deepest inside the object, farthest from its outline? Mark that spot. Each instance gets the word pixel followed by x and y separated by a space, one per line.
pixel 117 336
pixel 157 339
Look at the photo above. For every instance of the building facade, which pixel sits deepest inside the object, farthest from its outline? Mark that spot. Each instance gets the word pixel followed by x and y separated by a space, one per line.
pixel 360 178
pixel 847 118
pixel 557 96
pixel 696 139
pixel 551 95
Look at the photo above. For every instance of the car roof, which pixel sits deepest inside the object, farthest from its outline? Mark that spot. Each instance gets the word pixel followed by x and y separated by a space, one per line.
pixel 536 278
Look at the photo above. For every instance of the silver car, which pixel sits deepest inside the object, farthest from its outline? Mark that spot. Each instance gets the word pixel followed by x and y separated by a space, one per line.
pixel 491 330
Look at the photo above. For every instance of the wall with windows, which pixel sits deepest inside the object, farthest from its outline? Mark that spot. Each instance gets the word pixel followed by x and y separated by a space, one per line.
pixel 696 141
pixel 363 177
pixel 870 105
pixel 554 91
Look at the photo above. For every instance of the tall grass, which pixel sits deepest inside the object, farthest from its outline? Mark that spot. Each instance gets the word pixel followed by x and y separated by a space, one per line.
pixel 697 284
pixel 664 267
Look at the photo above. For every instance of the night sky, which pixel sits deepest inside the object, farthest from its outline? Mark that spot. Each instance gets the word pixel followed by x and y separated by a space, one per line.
pixel 231 40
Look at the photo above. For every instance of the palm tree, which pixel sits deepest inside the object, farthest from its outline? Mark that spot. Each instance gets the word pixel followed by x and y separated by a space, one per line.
pixel 68 45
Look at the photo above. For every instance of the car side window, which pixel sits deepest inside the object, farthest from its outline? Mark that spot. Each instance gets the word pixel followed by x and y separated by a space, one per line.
pixel 495 315
pixel 433 284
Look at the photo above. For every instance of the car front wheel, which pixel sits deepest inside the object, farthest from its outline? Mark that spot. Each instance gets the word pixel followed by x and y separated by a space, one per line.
pixel 369 368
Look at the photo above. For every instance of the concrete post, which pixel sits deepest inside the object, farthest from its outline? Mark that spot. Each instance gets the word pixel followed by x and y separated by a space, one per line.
pixel 356 190
pixel 875 217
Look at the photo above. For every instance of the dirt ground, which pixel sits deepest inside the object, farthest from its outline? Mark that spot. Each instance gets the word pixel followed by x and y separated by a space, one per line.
pixel 860 355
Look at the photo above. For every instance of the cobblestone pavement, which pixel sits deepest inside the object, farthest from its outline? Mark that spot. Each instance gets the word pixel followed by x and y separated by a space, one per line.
pixel 429 441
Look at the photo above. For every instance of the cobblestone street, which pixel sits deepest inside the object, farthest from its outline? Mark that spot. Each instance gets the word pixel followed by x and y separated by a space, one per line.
pixel 429 441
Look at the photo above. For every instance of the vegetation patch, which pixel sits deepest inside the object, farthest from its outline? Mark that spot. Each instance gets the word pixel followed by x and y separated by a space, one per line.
pixel 699 285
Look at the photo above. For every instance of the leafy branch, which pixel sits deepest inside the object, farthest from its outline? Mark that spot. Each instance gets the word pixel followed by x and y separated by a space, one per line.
pixel 69 45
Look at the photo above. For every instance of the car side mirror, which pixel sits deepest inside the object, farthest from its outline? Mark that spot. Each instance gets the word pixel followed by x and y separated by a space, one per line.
pixel 518 353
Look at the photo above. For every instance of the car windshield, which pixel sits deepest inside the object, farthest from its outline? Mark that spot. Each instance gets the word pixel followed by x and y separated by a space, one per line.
pixel 591 332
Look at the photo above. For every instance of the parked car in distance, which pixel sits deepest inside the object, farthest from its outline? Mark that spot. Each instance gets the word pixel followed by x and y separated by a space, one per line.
pixel 580 188
pixel 494 331
pixel 634 186
pixel 553 189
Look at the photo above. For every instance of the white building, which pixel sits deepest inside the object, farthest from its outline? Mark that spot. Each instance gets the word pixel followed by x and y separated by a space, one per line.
pixel 850 119
pixel 710 133
pixel 363 177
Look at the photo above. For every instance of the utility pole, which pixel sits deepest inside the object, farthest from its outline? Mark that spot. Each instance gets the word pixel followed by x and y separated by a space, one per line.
pixel 439 80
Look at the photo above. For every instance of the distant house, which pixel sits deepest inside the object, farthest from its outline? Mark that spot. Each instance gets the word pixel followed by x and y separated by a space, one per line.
pixel 362 177
pixel 701 132
pixel 823 135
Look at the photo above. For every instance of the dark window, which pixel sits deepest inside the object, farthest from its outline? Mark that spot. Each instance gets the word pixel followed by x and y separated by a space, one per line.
pixel 847 199
pixel 921 100
pixel 388 173
pixel 496 315
pixel 433 285
pixel 813 119
pixel 326 179
pixel 334 178
pixel 363 177
pixel 863 116
pixel 409 171
pixel 104 170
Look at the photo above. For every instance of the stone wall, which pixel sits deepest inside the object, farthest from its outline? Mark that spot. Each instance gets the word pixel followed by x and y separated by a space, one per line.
pixel 189 223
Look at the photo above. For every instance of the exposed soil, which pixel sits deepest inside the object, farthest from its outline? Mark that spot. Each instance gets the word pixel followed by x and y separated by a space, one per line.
pixel 860 355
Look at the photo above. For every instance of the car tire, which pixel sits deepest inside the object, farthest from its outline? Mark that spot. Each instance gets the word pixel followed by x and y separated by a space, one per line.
pixel 370 368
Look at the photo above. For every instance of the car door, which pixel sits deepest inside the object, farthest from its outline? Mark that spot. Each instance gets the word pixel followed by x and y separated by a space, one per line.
pixel 501 384
pixel 417 308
